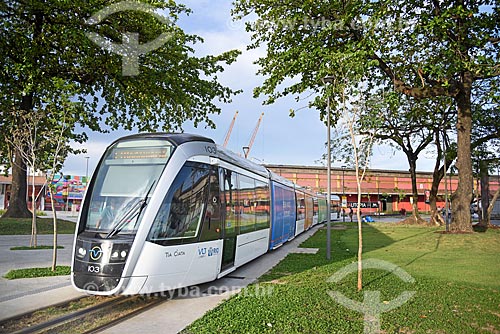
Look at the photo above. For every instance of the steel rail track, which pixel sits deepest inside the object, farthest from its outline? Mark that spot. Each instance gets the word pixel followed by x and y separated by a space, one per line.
pixel 67 318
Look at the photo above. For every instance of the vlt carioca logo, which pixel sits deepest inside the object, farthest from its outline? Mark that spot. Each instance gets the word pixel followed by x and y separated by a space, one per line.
pixel 211 251
pixel 372 306
pixel 95 253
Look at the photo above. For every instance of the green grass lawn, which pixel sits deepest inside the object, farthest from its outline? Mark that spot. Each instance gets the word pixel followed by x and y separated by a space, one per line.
pixel 22 226
pixel 37 272
pixel 456 284
pixel 16 248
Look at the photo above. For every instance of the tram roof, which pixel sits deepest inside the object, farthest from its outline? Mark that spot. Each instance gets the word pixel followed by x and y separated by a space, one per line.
pixel 175 138
pixel 237 160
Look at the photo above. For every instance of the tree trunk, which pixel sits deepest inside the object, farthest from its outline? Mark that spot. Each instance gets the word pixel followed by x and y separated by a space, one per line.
pixel 18 207
pixel 492 204
pixel 412 160
pixel 54 250
pixel 461 199
pixel 436 216
pixel 34 232
pixel 437 176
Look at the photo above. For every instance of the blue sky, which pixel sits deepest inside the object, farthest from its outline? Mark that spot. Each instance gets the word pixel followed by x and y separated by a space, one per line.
pixel 280 139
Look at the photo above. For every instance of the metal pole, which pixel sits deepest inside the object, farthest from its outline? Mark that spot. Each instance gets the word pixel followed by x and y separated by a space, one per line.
pixel 328 79
pixel 329 183
pixel 343 194
pixel 87 170
pixel 378 198
pixel 498 176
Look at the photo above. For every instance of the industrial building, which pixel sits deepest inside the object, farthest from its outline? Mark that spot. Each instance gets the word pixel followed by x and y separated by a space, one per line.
pixel 383 191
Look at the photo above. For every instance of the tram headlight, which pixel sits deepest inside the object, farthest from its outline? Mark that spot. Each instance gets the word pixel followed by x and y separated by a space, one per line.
pixel 119 253
pixel 81 252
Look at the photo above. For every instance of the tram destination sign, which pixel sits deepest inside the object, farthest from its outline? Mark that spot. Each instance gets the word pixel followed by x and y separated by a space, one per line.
pixel 141 153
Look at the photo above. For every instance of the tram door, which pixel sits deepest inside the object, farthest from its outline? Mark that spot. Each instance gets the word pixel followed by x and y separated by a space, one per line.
pixel 212 224
pixel 229 189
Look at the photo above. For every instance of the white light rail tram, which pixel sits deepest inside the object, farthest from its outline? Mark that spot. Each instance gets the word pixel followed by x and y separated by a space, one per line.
pixel 165 211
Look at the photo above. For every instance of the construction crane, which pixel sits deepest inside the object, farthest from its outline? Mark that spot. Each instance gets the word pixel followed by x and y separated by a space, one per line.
pixel 228 134
pixel 246 149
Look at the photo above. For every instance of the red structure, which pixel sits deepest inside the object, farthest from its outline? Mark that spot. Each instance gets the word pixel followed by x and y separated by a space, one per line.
pixel 384 191
pixel 6 186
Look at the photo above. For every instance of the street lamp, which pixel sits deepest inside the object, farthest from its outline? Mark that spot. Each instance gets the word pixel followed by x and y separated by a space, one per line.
pixel 343 194
pixel 328 79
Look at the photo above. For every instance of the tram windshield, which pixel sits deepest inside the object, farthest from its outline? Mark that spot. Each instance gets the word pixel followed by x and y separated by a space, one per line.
pixel 126 178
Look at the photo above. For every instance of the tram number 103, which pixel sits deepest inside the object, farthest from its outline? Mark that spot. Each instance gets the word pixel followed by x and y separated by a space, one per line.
pixel 93 269
pixel 211 149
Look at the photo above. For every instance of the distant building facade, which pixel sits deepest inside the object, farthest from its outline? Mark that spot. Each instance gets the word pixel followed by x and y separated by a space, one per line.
pixel 68 194
pixel 383 191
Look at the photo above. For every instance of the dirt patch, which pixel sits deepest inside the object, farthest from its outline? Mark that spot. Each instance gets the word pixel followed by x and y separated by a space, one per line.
pixel 411 220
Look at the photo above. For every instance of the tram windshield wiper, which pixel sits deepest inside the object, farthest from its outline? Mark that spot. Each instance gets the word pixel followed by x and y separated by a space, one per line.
pixel 133 212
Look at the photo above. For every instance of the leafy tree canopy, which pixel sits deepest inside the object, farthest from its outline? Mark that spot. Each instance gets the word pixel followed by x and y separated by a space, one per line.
pixel 46 51
pixel 44 40
pixel 423 49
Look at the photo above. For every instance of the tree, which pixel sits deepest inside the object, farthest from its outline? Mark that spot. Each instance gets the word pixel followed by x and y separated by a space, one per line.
pixel 56 139
pixel 355 148
pixel 445 155
pixel 24 140
pixel 484 158
pixel 423 49
pixel 361 152
pixel 408 124
pixel 42 42
pixel 485 133
pixel 42 140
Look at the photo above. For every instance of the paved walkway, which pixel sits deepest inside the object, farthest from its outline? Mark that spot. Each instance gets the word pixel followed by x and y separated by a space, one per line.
pixel 22 295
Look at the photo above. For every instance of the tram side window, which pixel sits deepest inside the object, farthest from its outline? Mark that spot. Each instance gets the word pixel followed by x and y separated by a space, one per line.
pixel 301 206
pixel 181 212
pixel 230 186
pixel 262 210
pixel 247 204
pixel 309 209
pixel 212 221
pixel 316 207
